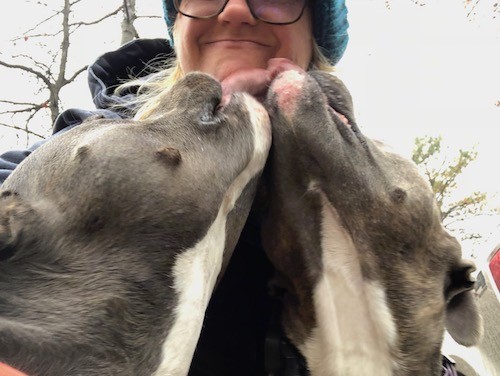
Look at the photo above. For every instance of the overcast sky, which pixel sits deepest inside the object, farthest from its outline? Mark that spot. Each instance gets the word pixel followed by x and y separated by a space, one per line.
pixel 428 70
pixel 413 71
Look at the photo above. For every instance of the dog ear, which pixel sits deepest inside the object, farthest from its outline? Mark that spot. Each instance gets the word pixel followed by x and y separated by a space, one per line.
pixel 13 213
pixel 463 320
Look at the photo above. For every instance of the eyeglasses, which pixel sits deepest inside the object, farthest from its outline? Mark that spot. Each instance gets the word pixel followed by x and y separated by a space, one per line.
pixel 278 12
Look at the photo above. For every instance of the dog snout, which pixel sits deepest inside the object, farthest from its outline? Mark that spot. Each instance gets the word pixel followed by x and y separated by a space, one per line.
pixel 195 90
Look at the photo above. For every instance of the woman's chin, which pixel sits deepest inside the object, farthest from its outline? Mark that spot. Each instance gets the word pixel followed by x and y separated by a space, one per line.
pixel 225 68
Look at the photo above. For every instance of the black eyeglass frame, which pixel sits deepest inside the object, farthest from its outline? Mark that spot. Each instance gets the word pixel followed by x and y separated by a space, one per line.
pixel 177 8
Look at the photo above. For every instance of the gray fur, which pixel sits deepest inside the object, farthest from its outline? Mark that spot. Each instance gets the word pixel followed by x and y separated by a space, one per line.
pixel 91 224
pixel 389 211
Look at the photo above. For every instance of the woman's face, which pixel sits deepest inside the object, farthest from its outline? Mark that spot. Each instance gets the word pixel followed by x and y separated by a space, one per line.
pixel 235 40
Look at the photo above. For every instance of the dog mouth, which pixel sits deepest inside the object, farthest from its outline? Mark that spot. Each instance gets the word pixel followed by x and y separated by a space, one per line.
pixel 336 114
pixel 216 112
pixel 224 101
pixel 289 89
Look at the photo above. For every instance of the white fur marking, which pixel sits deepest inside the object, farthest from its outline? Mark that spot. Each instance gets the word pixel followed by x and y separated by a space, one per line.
pixel 196 269
pixel 355 330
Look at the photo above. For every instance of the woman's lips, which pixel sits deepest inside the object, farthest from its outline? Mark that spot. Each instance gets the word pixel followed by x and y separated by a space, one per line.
pixel 237 43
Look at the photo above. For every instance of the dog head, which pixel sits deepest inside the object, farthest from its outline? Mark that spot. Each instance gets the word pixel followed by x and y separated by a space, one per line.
pixel 112 235
pixel 371 277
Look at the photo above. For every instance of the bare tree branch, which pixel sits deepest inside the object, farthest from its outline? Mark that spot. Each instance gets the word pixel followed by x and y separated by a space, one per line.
pixel 88 23
pixel 26 130
pixel 74 2
pixel 472 8
pixel 39 75
pixel 15 103
pixel 52 70
pixel 31 107
pixel 37 26
pixel 146 16
pixel 38 64
pixel 72 78
pixel 32 36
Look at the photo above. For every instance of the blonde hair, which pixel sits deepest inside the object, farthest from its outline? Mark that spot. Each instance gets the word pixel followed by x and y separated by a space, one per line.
pixel 149 91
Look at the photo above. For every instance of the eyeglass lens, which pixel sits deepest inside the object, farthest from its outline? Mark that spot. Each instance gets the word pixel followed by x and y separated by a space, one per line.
pixel 272 11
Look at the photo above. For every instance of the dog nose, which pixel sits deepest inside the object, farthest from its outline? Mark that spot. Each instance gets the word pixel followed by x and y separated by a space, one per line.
pixel 196 90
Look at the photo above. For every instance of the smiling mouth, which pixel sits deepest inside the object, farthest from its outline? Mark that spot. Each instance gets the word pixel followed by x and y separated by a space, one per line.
pixel 237 42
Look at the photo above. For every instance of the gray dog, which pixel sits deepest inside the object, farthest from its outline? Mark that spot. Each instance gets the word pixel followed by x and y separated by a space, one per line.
pixel 113 234
pixel 370 276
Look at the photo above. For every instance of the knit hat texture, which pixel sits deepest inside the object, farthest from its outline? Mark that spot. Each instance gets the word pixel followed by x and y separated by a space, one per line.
pixel 329 19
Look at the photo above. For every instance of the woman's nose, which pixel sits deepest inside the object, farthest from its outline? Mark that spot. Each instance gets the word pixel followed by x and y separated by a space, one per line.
pixel 237 12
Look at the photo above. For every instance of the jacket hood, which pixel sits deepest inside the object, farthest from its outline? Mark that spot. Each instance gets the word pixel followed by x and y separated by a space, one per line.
pixel 130 61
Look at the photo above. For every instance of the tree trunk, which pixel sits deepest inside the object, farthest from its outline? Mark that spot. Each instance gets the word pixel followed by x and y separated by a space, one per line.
pixel 129 31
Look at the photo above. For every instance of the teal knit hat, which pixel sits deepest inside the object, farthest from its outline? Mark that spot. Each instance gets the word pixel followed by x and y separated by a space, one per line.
pixel 329 19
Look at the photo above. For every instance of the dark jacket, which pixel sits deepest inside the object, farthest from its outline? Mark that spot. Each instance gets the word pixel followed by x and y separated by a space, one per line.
pixel 104 75
pixel 233 335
